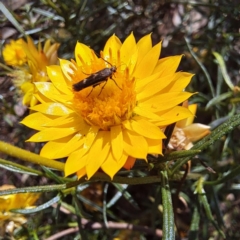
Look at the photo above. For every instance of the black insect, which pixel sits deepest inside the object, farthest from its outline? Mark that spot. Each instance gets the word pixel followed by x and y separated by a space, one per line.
pixel 96 78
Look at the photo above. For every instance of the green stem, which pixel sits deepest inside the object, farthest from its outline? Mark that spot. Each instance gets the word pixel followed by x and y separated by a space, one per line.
pixel 168 216
pixel 30 157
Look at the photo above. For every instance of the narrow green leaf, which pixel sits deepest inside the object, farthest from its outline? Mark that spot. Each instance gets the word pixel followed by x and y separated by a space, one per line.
pixel 79 208
pixel 194 228
pixel 14 167
pixel 52 175
pixel 168 216
pixel 48 188
pixel 122 192
pixel 203 200
pixel 218 99
pixel 201 66
pixel 39 208
pixel 80 214
pixel 223 68
pixel 11 18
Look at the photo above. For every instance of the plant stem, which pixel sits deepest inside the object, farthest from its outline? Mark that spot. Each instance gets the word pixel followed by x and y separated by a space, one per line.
pixel 29 156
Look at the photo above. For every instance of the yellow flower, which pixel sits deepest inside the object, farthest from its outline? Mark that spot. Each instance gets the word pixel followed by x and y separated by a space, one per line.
pixel 186 132
pixel 34 70
pixel 9 220
pixel 109 125
pixel 13 53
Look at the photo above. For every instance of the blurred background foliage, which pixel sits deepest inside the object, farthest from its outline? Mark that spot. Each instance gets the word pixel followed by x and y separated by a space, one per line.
pixel 193 28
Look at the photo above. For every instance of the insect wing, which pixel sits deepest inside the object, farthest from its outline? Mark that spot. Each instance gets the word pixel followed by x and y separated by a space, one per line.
pixel 94 79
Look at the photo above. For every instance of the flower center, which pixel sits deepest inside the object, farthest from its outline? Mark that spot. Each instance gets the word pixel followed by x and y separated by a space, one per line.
pixel 109 98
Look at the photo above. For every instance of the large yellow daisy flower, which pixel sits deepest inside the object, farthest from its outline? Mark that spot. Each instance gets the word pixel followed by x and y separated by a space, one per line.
pixel 109 125
pixel 35 68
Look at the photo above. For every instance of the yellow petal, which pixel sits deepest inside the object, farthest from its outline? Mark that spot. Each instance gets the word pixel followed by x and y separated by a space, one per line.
pixel 68 121
pixel 36 120
pixel 33 100
pixel 135 145
pixel 128 48
pixel 55 109
pixel 27 98
pixel 134 152
pixel 111 167
pixel 144 45
pixel 185 122
pixel 57 78
pixel 90 137
pixel 146 111
pixel 148 63
pixel 48 90
pixel 85 52
pixel 175 114
pixel 117 142
pixel 98 153
pixel 144 128
pixel 112 48
pixel 27 87
pixel 154 87
pixel 51 148
pixel 165 101
pixel 75 143
pixel 51 134
pixel 81 173
pixel 168 65
pixel 154 146
pixel 155 78
pixel 196 131
pixel 75 162
pixel 66 67
pixel 180 82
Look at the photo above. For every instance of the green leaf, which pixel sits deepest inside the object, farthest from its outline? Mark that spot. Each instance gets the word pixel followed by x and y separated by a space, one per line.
pixel 39 208
pixel 52 175
pixel 194 228
pixel 168 216
pixel 48 188
pixel 203 201
pixel 14 167
pixel 223 68
pixel 122 192
pixel 11 18
pixel 218 99
pixel 79 208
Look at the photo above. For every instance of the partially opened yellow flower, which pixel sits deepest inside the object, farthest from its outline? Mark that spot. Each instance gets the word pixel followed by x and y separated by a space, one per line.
pixel 14 54
pixel 110 125
pixel 34 70
pixel 9 220
pixel 186 132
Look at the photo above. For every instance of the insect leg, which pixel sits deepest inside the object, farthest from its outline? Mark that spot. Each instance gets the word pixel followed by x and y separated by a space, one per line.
pixel 90 91
pixel 115 83
pixel 102 87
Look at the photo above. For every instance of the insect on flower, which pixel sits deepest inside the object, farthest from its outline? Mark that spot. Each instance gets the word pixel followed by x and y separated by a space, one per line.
pixel 96 78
